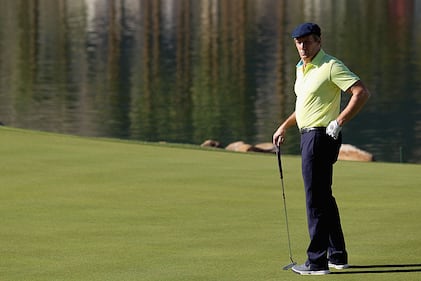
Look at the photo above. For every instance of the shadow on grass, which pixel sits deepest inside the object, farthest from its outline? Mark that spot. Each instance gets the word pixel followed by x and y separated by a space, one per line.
pixel 386 268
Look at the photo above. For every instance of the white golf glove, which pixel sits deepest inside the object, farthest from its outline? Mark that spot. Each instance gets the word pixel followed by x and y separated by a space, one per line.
pixel 333 129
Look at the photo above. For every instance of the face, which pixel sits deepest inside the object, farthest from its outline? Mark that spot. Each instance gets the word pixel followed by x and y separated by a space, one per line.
pixel 307 46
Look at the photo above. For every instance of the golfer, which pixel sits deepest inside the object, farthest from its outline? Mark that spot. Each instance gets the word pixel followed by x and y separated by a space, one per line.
pixel 320 79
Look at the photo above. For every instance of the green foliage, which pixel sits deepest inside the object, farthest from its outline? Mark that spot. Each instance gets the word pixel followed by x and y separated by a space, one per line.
pixel 96 209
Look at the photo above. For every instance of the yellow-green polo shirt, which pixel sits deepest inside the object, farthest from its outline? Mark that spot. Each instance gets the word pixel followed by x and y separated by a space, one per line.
pixel 318 89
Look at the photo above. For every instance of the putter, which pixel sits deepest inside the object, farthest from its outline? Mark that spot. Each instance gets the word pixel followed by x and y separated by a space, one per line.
pixel 278 154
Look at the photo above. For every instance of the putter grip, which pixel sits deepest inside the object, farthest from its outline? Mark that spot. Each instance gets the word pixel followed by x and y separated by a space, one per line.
pixel 278 154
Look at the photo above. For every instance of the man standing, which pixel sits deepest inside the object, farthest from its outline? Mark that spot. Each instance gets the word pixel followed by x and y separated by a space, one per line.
pixel 319 82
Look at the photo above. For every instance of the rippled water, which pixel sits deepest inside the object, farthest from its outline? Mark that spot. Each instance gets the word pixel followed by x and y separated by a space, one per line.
pixel 186 71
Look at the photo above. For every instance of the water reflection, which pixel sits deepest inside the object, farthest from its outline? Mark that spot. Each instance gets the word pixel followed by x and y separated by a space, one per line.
pixel 185 70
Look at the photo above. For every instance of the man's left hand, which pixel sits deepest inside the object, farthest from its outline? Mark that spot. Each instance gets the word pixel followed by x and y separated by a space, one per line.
pixel 333 129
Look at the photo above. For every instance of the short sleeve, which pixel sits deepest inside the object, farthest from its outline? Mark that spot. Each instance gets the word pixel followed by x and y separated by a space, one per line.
pixel 342 76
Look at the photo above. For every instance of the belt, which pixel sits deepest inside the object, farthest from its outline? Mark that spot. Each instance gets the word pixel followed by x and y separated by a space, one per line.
pixel 318 129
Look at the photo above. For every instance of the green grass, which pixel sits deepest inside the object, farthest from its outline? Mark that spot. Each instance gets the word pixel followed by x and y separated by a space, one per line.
pixel 76 208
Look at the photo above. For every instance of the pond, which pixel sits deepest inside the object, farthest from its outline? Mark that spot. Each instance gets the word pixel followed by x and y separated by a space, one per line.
pixel 185 71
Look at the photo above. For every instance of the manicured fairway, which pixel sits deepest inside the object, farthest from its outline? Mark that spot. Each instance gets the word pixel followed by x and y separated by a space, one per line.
pixel 76 208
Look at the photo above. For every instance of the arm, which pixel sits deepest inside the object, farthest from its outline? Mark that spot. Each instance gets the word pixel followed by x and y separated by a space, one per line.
pixel 360 95
pixel 279 135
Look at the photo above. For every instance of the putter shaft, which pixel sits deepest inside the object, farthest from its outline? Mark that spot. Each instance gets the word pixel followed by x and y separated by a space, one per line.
pixel 278 153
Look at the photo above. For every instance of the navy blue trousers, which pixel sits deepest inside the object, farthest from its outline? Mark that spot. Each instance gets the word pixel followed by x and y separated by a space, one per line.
pixel 319 152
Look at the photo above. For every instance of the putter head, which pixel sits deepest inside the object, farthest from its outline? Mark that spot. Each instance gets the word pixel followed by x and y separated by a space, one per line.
pixel 289 266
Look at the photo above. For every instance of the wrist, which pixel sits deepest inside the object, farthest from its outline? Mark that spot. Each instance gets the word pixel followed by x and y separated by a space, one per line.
pixel 340 122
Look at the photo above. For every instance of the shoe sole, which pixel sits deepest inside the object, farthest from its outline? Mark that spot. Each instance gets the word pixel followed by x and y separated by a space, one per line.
pixel 311 272
pixel 339 266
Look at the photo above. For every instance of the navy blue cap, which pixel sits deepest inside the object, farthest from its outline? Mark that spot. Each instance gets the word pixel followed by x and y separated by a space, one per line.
pixel 306 29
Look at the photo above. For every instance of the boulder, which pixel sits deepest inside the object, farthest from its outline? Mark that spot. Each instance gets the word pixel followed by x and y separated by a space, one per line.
pixel 352 153
pixel 210 143
pixel 239 146
pixel 267 147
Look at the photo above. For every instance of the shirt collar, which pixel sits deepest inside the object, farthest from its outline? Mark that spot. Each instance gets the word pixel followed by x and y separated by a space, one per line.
pixel 315 61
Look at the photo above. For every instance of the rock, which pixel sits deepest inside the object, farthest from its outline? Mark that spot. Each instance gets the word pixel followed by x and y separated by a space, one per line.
pixel 210 143
pixel 267 147
pixel 239 146
pixel 350 152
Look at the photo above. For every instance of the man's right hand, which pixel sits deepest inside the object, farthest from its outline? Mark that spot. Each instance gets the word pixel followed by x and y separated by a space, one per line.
pixel 278 137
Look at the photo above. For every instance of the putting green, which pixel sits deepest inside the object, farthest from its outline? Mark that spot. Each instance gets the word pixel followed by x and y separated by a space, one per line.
pixel 77 208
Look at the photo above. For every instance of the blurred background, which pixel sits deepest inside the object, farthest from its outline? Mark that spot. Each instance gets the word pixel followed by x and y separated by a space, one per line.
pixel 185 71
